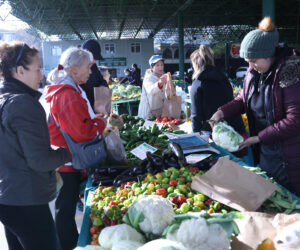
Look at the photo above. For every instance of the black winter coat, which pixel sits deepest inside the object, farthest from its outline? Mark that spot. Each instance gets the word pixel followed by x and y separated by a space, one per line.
pixel 209 92
pixel 27 161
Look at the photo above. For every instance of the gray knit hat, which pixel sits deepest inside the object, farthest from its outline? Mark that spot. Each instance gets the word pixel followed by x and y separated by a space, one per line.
pixel 260 43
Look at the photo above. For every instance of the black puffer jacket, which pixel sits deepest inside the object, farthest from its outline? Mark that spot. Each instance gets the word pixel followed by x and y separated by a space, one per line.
pixel 210 91
pixel 27 162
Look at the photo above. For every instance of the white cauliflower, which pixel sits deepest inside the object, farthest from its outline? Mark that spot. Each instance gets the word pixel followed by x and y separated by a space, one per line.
pixel 226 137
pixel 113 234
pixel 197 235
pixel 126 245
pixel 89 247
pixel 161 244
pixel 151 214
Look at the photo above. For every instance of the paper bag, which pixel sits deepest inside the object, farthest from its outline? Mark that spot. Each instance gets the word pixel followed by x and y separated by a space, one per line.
pixel 234 186
pixel 172 103
pixel 172 107
pixel 255 227
pixel 102 100
pixel 170 88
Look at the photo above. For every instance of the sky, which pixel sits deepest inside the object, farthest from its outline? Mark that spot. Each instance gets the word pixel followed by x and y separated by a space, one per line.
pixel 8 21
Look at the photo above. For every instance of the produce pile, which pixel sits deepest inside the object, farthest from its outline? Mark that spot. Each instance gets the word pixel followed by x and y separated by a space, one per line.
pixel 134 134
pixel 156 178
pixel 125 91
pixel 168 120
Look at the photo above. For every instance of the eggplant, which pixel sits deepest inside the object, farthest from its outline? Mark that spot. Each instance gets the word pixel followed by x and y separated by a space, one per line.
pixel 171 162
pixel 118 182
pixel 156 161
pixel 149 168
pixel 104 180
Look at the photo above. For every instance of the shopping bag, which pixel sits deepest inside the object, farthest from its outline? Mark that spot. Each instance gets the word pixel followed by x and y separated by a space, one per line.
pixel 114 147
pixel 102 98
pixel 172 103
pixel 234 185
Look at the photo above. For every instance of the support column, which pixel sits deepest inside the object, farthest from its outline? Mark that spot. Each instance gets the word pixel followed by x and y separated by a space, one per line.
pixel 268 9
pixel 180 46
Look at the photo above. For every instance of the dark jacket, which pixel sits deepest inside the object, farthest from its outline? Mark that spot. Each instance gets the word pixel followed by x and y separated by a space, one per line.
pixel 285 112
pixel 95 80
pixel 210 91
pixel 136 77
pixel 27 161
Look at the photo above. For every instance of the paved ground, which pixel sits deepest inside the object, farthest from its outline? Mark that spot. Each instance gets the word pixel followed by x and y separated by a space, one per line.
pixel 3 244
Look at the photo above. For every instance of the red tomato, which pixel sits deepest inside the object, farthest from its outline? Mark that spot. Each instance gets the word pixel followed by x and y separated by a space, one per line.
pixel 94 229
pixel 112 203
pixel 160 191
pixel 165 119
pixel 170 118
pixel 173 183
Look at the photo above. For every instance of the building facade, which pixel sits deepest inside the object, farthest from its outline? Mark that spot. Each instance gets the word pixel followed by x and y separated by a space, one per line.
pixel 118 54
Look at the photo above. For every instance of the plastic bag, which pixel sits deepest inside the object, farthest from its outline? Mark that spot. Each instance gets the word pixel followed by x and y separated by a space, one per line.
pixel 114 147
pixel 289 237
pixel 226 137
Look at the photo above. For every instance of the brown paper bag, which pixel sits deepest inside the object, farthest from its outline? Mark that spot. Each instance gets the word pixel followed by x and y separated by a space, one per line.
pixel 172 107
pixel 234 186
pixel 170 88
pixel 255 227
pixel 102 100
pixel 172 103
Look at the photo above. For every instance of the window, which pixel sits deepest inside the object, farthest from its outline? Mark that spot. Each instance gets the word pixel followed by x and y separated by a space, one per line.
pixel 135 47
pixel 167 54
pixel 56 50
pixel 110 48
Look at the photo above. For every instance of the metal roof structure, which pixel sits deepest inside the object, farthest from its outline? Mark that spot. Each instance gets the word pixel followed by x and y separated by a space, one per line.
pixel 118 19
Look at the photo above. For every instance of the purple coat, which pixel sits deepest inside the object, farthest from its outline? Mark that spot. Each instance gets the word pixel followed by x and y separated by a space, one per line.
pixel 286 129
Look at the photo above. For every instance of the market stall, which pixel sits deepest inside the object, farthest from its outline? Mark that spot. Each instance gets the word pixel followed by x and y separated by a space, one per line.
pixel 127 95
pixel 106 205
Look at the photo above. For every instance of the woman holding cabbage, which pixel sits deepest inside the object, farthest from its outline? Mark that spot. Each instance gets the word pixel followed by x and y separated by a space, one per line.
pixel 270 98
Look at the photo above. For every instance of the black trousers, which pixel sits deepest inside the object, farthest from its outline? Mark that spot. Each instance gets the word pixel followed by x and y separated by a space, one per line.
pixel 29 227
pixel 65 210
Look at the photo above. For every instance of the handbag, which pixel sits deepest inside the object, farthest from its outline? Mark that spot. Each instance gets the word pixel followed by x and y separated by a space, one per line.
pixel 84 154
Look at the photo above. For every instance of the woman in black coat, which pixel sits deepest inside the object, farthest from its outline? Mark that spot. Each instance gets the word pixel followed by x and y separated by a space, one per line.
pixel 210 90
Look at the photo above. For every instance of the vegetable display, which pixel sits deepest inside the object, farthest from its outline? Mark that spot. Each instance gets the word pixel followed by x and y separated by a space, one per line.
pixel 226 137
pixel 154 198
pixel 125 91
pixel 150 214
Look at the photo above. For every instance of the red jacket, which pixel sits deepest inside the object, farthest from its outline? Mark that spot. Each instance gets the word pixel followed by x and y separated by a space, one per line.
pixel 71 112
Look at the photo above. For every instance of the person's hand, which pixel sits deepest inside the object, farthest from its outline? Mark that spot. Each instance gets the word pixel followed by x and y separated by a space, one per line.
pixel 248 142
pixel 102 117
pixel 217 117
pixel 116 120
pixel 163 79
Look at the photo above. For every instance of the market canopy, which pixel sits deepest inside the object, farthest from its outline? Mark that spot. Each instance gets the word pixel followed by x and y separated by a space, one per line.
pixel 112 19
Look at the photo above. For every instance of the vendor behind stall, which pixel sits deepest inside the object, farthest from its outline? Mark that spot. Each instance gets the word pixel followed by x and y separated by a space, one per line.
pixel 270 98
pixel 152 98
